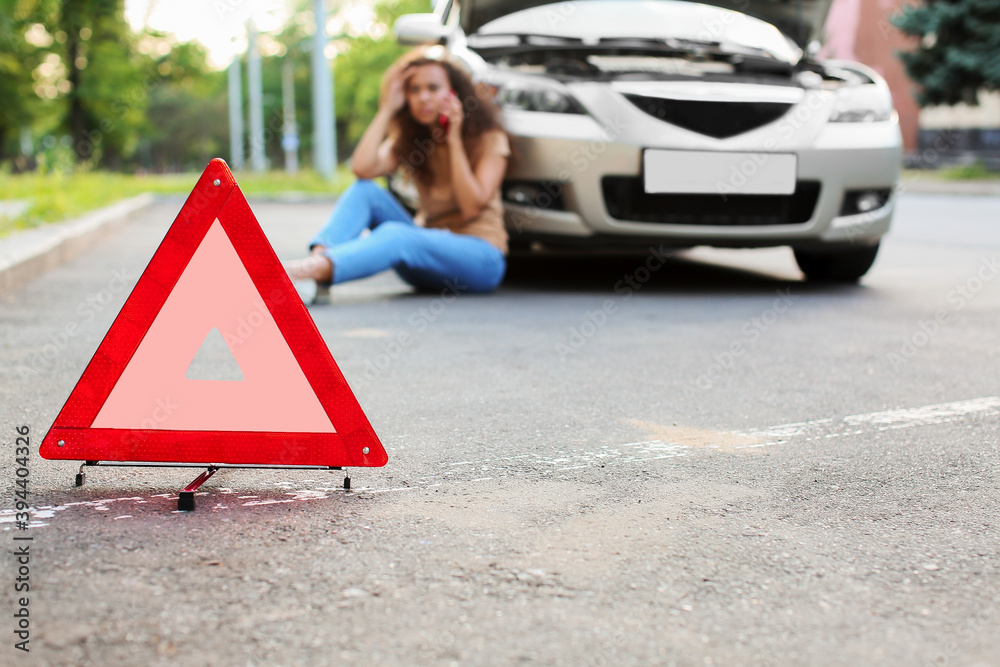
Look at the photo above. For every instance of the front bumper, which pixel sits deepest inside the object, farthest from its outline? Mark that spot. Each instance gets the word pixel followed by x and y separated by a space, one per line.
pixel 574 153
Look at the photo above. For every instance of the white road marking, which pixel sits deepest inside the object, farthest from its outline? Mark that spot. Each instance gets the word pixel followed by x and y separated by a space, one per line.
pixel 929 414
pixel 884 420
pixel 627 453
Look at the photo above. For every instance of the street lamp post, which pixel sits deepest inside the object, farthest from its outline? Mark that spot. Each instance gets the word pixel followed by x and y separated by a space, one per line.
pixel 235 114
pixel 258 161
pixel 324 135
pixel 290 132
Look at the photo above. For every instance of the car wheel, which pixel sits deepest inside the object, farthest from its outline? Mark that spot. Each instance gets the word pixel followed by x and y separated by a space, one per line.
pixel 836 265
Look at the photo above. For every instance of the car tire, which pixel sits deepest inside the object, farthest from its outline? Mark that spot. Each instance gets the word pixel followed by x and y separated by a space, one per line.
pixel 836 265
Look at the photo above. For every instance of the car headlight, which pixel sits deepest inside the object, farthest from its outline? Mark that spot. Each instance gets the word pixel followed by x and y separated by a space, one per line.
pixel 866 103
pixel 536 96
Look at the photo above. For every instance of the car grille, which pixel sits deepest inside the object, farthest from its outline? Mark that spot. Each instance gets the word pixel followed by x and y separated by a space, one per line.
pixel 626 199
pixel 714 119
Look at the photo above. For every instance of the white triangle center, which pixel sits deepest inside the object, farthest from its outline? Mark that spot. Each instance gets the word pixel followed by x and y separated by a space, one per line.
pixel 214 292
pixel 214 361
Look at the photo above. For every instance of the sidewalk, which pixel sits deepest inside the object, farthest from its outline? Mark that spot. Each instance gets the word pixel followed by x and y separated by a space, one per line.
pixel 28 253
pixel 918 185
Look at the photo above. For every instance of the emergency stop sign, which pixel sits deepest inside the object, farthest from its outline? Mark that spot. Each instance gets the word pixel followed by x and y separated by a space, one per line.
pixel 214 275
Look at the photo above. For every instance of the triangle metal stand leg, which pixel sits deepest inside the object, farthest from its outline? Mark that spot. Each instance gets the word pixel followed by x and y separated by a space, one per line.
pixel 185 500
pixel 185 497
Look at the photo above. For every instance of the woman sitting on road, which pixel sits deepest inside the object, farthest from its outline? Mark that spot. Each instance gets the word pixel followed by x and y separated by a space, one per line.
pixel 446 134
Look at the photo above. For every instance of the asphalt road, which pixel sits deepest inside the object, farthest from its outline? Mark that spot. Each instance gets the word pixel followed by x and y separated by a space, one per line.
pixel 725 466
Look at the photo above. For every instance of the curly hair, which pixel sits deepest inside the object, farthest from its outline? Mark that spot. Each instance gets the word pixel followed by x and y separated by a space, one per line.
pixel 415 141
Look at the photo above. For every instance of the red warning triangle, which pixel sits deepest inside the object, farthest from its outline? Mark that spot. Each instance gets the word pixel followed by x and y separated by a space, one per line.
pixel 214 269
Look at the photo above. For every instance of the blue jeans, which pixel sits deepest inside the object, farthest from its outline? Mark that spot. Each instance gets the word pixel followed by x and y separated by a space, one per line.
pixel 428 259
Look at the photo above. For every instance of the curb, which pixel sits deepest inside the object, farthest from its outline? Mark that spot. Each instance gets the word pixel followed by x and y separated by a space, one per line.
pixel 930 187
pixel 28 253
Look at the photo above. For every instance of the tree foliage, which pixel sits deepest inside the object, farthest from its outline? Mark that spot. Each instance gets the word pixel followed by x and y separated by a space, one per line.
pixel 87 89
pixel 109 82
pixel 959 50
pixel 187 122
pixel 26 41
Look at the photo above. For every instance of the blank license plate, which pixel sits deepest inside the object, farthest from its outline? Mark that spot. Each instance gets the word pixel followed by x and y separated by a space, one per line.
pixel 697 172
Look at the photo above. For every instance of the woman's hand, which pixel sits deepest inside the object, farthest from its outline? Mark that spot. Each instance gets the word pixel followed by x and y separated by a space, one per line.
pixel 453 110
pixel 394 88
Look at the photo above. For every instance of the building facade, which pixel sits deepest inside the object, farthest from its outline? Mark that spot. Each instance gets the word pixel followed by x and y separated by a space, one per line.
pixel 861 30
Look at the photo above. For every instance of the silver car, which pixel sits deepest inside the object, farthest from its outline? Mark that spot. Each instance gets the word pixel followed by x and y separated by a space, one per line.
pixel 637 122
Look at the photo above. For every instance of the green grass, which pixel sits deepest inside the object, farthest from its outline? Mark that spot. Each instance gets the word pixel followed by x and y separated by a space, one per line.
pixel 968 172
pixel 55 197
pixel 976 171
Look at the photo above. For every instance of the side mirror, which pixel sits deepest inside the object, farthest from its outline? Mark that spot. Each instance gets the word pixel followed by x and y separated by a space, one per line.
pixel 416 29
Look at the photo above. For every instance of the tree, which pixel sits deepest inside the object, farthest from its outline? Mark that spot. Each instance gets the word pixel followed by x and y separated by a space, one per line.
pixel 959 51
pixel 26 42
pixel 75 68
pixel 108 86
pixel 186 121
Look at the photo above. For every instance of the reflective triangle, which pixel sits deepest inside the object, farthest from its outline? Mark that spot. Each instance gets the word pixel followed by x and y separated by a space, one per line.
pixel 214 269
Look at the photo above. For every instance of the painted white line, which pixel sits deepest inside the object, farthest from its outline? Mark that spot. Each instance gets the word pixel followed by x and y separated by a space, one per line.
pixel 639 452
pixel 782 431
pixel 402 488
pixel 823 429
pixel 929 414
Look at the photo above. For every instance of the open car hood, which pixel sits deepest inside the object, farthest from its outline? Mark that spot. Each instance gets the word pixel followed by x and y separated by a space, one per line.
pixel 800 20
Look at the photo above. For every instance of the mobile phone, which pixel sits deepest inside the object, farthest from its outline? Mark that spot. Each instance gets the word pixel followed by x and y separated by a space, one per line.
pixel 443 118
